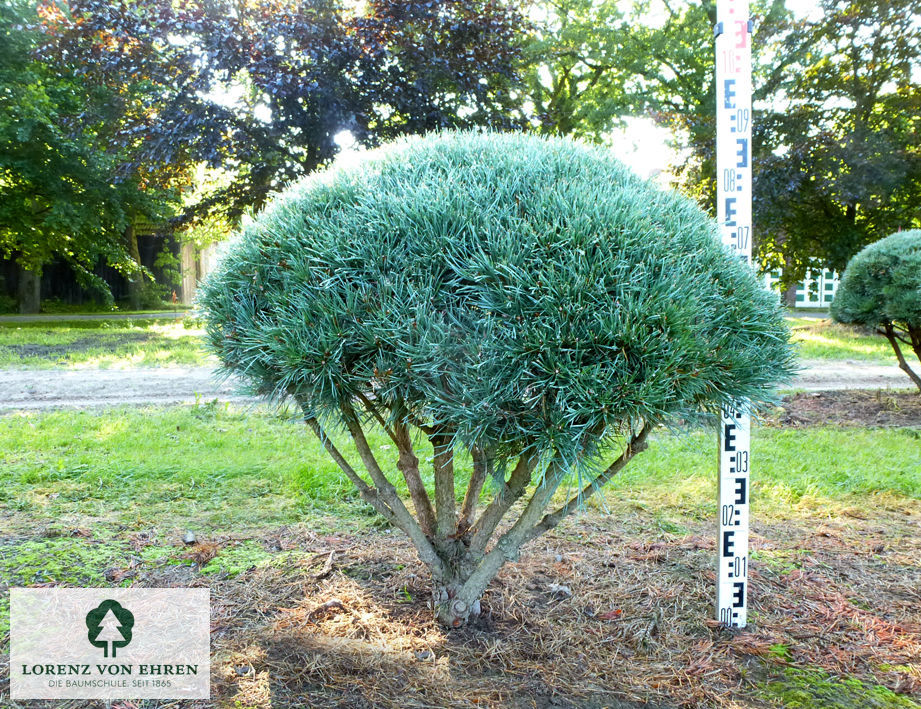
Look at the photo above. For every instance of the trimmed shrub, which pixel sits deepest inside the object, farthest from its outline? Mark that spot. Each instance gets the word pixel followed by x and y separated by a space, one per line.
pixel 881 288
pixel 528 300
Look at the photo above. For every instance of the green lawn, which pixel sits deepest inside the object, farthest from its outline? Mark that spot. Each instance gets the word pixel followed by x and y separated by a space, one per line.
pixel 824 339
pixel 205 463
pixel 102 343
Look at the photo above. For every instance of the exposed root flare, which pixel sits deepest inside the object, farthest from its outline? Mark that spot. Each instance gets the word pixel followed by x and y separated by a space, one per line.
pixel 453 612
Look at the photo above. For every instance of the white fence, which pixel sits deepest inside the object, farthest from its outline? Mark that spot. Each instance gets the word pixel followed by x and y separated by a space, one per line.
pixel 817 290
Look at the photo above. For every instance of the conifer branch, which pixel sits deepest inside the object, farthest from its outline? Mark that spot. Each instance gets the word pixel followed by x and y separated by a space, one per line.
pixel 511 491
pixel 635 445
pixel 482 468
pixel 404 520
pixel 443 463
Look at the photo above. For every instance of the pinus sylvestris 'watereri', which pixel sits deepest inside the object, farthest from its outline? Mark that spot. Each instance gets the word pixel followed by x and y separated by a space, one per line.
pixel 881 288
pixel 527 300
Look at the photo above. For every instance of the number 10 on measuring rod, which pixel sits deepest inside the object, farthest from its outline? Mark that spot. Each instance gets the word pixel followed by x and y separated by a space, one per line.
pixel 734 214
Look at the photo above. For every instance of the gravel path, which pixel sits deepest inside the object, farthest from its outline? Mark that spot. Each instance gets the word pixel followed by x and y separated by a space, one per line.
pixel 53 388
pixel 829 375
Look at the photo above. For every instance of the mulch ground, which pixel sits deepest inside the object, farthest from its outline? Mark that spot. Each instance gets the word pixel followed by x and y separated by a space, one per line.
pixel 605 612
pixel 878 407
pixel 601 614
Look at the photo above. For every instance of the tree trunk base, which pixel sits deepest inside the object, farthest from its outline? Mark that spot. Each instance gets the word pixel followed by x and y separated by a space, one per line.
pixel 29 291
pixel 450 611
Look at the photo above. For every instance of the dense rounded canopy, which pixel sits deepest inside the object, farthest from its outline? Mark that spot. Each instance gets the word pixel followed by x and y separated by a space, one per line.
pixel 519 290
pixel 882 283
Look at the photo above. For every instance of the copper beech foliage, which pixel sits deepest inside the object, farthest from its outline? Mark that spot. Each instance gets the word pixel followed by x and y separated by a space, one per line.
pixel 264 86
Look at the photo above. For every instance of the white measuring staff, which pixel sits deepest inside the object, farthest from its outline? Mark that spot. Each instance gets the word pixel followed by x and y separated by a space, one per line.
pixel 734 214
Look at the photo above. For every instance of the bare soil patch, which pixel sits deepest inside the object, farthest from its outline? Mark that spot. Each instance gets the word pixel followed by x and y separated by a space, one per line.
pixel 82 344
pixel 854 407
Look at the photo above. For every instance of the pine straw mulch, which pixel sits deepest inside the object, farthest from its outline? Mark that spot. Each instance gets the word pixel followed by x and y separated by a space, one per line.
pixel 600 614
pixel 849 407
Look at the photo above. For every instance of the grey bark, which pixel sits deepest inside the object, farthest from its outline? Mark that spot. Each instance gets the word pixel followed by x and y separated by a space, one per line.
pixel 29 290
pixel 135 280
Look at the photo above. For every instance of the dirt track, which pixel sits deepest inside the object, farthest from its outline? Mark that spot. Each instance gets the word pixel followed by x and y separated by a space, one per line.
pixel 52 388
pixel 829 375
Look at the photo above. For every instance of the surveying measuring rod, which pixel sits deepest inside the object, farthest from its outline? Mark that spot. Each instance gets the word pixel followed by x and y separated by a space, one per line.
pixel 734 213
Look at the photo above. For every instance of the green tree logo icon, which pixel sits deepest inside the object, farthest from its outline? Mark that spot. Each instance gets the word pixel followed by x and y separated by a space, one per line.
pixel 109 626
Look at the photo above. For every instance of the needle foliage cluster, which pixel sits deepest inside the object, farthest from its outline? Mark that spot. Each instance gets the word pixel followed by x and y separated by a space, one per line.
pixel 522 292
pixel 881 288
pixel 882 283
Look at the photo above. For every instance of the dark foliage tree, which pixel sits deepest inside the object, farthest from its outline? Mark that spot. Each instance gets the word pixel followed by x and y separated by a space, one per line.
pixel 840 166
pixel 148 88
pixel 66 189
pixel 524 301
pixel 310 70
pixel 881 288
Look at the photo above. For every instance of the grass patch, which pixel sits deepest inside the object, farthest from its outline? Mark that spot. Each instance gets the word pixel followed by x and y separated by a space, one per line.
pixel 102 343
pixel 800 468
pixel 209 463
pixel 804 688
pixel 824 339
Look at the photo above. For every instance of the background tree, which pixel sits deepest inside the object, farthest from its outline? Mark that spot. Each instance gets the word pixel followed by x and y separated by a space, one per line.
pixel 80 95
pixel 592 63
pixel 304 72
pixel 840 156
pixel 503 297
pixel 881 288
pixel 56 195
pixel 146 84
pixel 837 106
pixel 148 90
pixel 576 71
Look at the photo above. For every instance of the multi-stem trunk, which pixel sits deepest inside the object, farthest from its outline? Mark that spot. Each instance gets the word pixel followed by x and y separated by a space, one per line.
pixel 462 550
pixel 452 605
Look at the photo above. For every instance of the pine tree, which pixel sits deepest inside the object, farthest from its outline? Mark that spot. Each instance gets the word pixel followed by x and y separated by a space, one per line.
pixel 528 302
